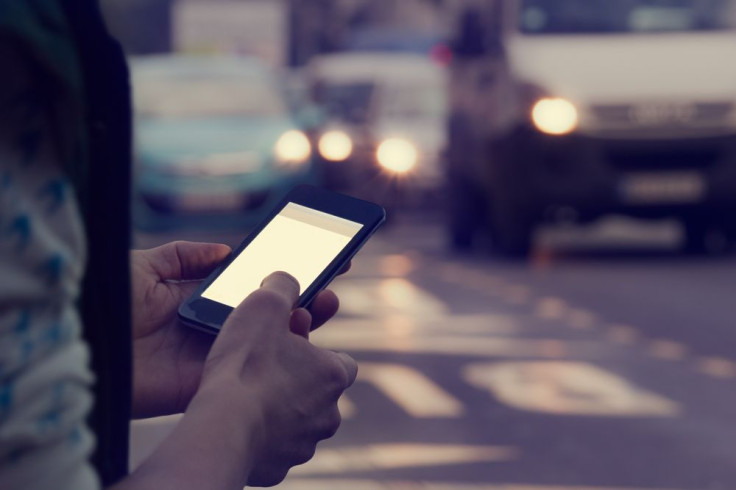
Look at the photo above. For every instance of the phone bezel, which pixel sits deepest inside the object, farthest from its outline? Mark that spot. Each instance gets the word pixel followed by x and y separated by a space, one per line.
pixel 208 315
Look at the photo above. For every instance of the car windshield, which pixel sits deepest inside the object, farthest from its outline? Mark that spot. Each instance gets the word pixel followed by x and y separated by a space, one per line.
pixel 349 102
pixel 625 16
pixel 413 102
pixel 190 98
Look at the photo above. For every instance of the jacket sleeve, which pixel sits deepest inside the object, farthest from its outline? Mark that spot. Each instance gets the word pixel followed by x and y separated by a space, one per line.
pixel 45 382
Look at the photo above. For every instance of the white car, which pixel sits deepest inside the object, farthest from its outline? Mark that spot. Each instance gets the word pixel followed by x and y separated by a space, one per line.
pixel 385 117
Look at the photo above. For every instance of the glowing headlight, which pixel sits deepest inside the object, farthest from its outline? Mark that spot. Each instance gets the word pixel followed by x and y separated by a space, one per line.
pixel 335 146
pixel 397 155
pixel 293 147
pixel 555 116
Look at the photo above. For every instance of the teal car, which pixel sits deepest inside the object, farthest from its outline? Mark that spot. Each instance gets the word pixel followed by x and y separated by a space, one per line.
pixel 213 137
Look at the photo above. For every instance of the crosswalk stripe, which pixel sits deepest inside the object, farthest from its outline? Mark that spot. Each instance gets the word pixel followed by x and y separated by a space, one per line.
pixel 356 336
pixel 411 390
pixel 567 388
pixel 373 457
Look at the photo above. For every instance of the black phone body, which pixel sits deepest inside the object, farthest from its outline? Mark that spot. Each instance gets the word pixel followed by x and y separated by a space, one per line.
pixel 311 234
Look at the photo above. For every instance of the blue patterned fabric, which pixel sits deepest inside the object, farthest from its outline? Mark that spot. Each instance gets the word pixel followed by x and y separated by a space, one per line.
pixel 45 381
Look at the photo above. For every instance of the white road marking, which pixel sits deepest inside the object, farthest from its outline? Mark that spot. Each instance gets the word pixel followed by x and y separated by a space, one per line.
pixel 419 396
pixel 622 334
pixel 567 388
pixel 550 308
pixel 388 297
pixel 372 457
pixel 297 483
pixel 667 350
pixel 717 367
pixel 375 336
pixel 517 295
pixel 581 319
pixel 396 265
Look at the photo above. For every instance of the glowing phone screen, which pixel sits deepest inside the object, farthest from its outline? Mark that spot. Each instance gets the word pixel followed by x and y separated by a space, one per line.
pixel 299 240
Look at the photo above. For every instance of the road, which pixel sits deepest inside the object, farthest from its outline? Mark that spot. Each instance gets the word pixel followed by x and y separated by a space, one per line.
pixel 590 367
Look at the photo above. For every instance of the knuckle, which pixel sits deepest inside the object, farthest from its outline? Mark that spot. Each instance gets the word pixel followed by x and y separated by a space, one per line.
pixel 268 300
pixel 334 420
pixel 268 477
pixel 335 375
pixel 305 454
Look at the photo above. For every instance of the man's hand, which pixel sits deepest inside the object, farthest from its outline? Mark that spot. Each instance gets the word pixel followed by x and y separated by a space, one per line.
pixel 267 397
pixel 168 357
pixel 263 360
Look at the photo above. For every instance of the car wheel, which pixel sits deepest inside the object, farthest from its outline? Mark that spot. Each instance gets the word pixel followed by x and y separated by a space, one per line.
pixel 512 230
pixel 702 237
pixel 465 213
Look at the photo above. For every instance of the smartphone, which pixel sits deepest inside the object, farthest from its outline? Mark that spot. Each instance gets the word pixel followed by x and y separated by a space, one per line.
pixel 311 234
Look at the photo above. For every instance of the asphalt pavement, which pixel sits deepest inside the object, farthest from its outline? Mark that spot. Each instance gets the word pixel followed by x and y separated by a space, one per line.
pixel 608 361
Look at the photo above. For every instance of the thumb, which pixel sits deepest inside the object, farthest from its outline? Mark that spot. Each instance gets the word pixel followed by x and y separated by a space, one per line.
pixel 186 260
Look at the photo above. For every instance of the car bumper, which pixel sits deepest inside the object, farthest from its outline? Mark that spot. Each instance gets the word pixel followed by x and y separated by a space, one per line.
pixel 597 176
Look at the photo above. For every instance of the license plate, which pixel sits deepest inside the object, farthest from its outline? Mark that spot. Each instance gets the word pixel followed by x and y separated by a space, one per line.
pixel 214 202
pixel 663 188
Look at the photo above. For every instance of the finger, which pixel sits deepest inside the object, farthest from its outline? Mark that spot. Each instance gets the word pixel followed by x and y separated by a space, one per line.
pixel 346 267
pixel 351 367
pixel 300 322
pixel 284 284
pixel 268 309
pixel 186 260
pixel 324 307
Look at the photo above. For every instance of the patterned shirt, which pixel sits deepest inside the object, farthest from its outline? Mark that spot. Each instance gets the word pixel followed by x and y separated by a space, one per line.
pixel 44 376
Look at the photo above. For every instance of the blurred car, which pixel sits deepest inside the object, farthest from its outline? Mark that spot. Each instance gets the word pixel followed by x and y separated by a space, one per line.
pixel 213 135
pixel 384 120
pixel 574 109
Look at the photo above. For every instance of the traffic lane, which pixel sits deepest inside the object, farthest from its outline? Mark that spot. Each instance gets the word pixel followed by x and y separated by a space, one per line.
pixel 627 274
pixel 639 292
pixel 673 430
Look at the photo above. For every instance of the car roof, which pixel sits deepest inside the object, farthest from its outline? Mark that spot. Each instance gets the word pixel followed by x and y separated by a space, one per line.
pixel 379 67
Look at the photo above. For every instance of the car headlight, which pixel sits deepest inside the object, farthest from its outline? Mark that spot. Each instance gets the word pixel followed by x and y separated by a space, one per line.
pixel 293 148
pixel 335 146
pixel 555 116
pixel 397 155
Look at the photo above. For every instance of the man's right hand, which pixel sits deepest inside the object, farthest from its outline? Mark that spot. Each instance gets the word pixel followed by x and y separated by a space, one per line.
pixel 266 398
pixel 263 362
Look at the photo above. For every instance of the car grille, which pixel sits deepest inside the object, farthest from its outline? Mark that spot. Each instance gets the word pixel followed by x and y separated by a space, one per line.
pixel 662 159
pixel 663 114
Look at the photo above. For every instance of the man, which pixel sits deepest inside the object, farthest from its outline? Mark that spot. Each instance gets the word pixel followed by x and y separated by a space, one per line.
pixel 257 400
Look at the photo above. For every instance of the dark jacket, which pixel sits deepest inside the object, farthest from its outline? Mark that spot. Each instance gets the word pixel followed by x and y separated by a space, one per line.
pixel 103 187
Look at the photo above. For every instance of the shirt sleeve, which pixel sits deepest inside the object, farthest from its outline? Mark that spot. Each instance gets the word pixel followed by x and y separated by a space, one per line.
pixel 45 381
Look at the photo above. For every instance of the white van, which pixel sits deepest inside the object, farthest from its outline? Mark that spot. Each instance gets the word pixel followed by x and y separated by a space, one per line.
pixel 574 109
pixel 385 120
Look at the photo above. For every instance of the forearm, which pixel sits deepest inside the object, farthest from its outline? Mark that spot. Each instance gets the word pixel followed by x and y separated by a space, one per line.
pixel 208 449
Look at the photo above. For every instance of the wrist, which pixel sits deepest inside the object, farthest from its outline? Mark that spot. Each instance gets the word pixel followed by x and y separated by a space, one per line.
pixel 213 446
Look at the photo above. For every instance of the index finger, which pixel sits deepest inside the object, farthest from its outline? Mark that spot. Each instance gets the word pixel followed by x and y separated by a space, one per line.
pixel 283 284
pixel 268 306
pixel 351 367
